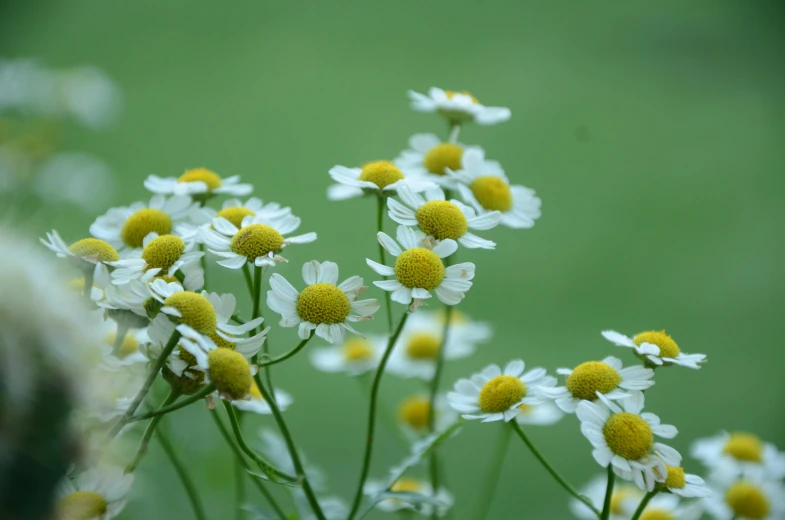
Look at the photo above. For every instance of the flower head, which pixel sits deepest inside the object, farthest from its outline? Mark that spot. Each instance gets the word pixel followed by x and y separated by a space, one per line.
pixel 162 255
pixel 656 347
pixel 748 498
pixel 95 493
pixel 430 158
pixel 624 499
pixel 197 182
pixel 376 177
pixel 357 355
pixel 457 107
pixel 735 454
pixel 412 489
pixel 84 253
pixel 256 403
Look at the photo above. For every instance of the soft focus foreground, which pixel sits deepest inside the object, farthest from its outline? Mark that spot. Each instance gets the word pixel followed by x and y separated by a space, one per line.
pixel 661 198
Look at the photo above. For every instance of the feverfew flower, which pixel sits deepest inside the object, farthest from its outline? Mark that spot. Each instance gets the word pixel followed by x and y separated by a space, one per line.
pixel 94 493
pixel 685 485
pixel 625 497
pixel 198 182
pixel 735 454
pixel 430 158
pixel 414 414
pixel 257 404
pixel 356 356
pixel 84 253
pixel 458 107
pixel 406 485
pixel 747 499
pixel 162 255
pixel 656 347
pixel 667 507
pixel 377 177
pixel 543 414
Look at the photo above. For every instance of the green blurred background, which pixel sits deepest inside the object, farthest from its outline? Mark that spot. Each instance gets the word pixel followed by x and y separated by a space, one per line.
pixel 652 131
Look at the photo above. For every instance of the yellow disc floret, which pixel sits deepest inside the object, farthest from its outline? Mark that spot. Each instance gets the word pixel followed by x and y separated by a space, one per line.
pixel 419 267
pixel 230 372
pixel 591 377
pixel 196 311
pixel 187 357
pixel 144 222
pixel 744 446
pixel 257 240
pixel 220 342
pixel 323 303
pixel 212 179
pixel 255 392
pixel 403 485
pixel 621 495
pixel 162 252
pixel 83 505
pixel 493 193
pixel 357 349
pixel 129 345
pixel 423 345
pixel 747 501
pixel 235 214
pixel 443 156
pixel 441 219
pixel 381 173
pixel 452 93
pixel 415 412
pixel 94 249
pixel 668 347
pixel 676 478
pixel 657 514
pixel 500 393
pixel 628 435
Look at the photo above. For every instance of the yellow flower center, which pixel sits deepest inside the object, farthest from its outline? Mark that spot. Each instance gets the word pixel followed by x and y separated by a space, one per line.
pixel 76 284
pixel 255 392
pixel 747 500
pixel 493 193
pixel 744 446
pixel 451 94
pixel 163 252
pixel 618 498
pixel 443 156
pixel 676 478
pixel 83 505
pixel 500 393
pixel 423 345
pixel 144 222
pixel 230 372
pixel 357 349
pixel 93 248
pixel 221 342
pixel 323 303
pixel 404 484
pixel 235 214
pixel 525 408
pixel 212 179
pixel 257 240
pixel 657 514
pixel 441 219
pixel 591 377
pixel 415 412
pixel 668 347
pixel 381 173
pixel 197 311
pixel 628 435
pixel 129 346
pixel 419 267
pixel 166 278
pixel 186 356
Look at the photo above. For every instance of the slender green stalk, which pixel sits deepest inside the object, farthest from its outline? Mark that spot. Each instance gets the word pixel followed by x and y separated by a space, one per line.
pixel 292 447
pixel 434 389
pixel 248 279
pixel 239 482
pixel 493 473
pixel 141 451
pixel 235 318
pixel 381 203
pixel 284 357
pixel 377 379
pixel 203 264
pixel 455 131
pixel 204 392
pixel 555 474
pixel 120 333
pixel 182 473
pixel 642 506
pixel 88 283
pixel 606 505
pixel 258 274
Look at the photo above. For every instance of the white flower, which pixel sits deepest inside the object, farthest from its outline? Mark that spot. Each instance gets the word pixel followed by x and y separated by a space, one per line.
pixel 95 493
pixel 259 239
pixel 162 255
pixel 543 414
pixel 430 158
pixel 685 485
pixel 730 455
pixel 85 253
pixel 129 352
pixel 197 181
pixel 665 506
pixel 257 404
pixel 624 438
pixel 457 107
pixel 419 269
pixel 322 306
pixel 442 219
pixel 415 487
pixel 127 226
pixel 657 347
pixel 496 395
pixel 379 177
pixel 624 498
pixel 414 414
pixel 607 377
pixel 355 356
pixel 747 499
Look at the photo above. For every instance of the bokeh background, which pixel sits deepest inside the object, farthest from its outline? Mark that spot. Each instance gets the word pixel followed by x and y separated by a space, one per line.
pixel 652 131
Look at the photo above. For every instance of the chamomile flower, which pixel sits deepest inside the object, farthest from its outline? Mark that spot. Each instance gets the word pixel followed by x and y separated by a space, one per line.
pixel 685 485
pixel 623 437
pixel 414 414
pixel 442 219
pixel 747 499
pixel 414 488
pixel 235 210
pixel 457 107
pixel 667 507
pixel 543 414
pixel 357 355
pixel 729 455
pixel 97 493
pixel 128 352
pixel 625 497
pixel 419 269
pixel 258 240
pixel 377 177
pixel 197 182
pixel 430 158
pixel 496 395
pixel 127 226
pixel 322 306
pixel 84 253
pixel 606 377
pixel 257 404
pixel 162 255
pixel 656 347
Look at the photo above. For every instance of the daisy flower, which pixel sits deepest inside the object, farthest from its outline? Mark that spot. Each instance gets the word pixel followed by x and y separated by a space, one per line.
pixel 625 497
pixel 496 395
pixel 430 158
pixel 667 507
pixel 257 404
pixel 356 356
pixel 419 269
pixel 128 352
pixel 413 487
pixel 322 306
pixel 442 219
pixel 198 182
pixel 95 493
pixel 235 210
pixel 747 499
pixel 162 254
pixel 414 413
pixel 378 177
pixel 84 253
pixel 543 414
pixel 457 107
pixel 656 347
pixel 623 437
pixel 685 485
pixel 127 226
pixel 606 377
pixel 739 453
pixel 258 240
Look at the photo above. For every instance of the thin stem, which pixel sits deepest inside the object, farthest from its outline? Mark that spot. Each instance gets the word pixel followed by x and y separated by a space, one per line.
pixel 182 473
pixel 381 199
pixel 258 274
pixel 204 392
pixel 120 333
pixel 267 395
pixel 455 131
pixel 237 319
pixel 642 506
pixel 494 472
pixel 148 433
pixel 434 389
pixel 248 279
pixel 88 283
pixel 203 264
pixel 377 379
pixel 239 483
pixel 555 474
pixel 606 505
pixel 284 357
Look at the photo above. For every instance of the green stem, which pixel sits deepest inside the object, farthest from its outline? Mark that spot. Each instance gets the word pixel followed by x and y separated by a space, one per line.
pixel 239 482
pixel 237 319
pixel 182 473
pixel 381 203
pixel 148 433
pixel 258 274
pixel 204 392
pixel 455 131
pixel 120 333
pixel 267 395
pixel 203 263
pixel 377 379
pixel 606 505
pixel 88 283
pixel 644 503
pixel 284 357
pixel 555 474
pixel 248 279
pixel 434 389
pixel 494 472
